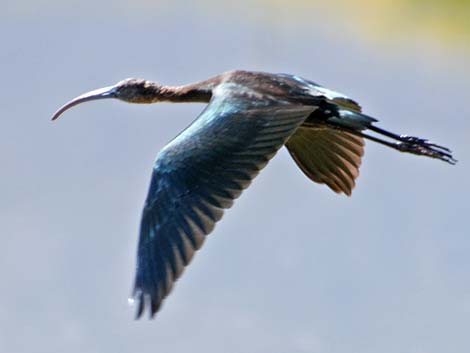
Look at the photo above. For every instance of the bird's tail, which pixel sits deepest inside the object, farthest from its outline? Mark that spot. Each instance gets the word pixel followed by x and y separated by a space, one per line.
pixel 356 123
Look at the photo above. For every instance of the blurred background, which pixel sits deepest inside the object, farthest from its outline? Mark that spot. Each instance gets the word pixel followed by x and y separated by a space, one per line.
pixel 292 267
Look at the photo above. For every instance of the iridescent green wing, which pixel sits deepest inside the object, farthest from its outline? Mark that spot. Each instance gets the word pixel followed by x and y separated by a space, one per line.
pixel 197 176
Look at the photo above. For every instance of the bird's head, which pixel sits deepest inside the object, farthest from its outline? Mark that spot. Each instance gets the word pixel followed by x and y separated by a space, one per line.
pixel 131 90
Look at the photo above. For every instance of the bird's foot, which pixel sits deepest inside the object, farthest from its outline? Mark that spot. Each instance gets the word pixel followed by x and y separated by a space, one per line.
pixel 424 147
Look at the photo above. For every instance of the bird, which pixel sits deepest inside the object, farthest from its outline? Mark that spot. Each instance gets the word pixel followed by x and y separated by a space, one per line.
pixel 249 116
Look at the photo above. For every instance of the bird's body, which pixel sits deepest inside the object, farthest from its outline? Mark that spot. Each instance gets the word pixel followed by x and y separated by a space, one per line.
pixel 201 172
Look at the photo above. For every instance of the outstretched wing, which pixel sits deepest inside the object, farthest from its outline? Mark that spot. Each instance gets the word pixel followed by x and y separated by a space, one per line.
pixel 198 175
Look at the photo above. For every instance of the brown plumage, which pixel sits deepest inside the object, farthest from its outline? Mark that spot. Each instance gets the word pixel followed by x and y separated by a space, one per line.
pixel 327 156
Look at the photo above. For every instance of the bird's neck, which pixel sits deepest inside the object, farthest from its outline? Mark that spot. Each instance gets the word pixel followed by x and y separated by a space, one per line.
pixel 194 92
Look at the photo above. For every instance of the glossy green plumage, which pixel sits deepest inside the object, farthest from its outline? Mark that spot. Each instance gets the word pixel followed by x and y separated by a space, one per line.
pixel 196 177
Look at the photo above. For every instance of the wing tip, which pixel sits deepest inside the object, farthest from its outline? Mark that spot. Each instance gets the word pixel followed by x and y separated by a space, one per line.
pixel 142 301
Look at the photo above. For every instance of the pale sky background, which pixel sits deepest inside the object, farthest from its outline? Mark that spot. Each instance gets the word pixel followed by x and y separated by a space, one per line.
pixel 292 267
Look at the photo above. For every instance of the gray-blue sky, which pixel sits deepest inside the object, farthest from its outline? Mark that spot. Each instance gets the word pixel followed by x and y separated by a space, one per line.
pixel 292 267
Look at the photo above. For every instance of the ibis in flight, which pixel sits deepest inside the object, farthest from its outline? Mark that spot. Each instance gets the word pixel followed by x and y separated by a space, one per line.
pixel 248 118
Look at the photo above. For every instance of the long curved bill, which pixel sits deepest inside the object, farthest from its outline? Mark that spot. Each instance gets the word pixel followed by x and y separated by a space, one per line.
pixel 100 93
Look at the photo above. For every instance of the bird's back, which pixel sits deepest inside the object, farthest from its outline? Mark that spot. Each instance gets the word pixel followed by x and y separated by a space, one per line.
pixel 324 153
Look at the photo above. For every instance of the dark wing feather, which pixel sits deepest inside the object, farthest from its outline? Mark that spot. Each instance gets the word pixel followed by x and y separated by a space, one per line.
pixel 198 175
pixel 327 156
